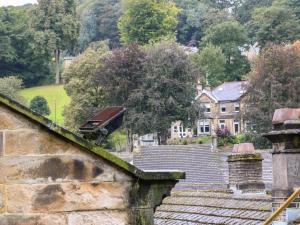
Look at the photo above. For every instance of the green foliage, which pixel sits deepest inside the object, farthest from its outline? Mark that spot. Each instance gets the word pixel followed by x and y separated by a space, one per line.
pixel 166 93
pixel 56 97
pixel 40 105
pixel 122 73
pixel 87 95
pixel 98 21
pixel 274 83
pixel 276 24
pixel 146 21
pixel 56 27
pixel 212 62
pixel 17 47
pixel 230 36
pixel 116 141
pixel 10 86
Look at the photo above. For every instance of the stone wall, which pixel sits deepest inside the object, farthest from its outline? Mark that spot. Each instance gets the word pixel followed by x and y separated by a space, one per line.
pixel 46 179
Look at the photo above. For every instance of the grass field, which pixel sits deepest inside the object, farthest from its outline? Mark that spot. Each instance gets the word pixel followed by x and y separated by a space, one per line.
pixel 54 94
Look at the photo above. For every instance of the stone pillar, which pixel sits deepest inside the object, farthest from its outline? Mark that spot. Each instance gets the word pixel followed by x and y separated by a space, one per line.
pixel 285 138
pixel 245 170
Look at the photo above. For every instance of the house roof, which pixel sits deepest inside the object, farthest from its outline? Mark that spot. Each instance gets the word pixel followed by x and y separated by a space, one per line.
pixel 228 91
pixel 202 166
pixel 67 135
pixel 204 207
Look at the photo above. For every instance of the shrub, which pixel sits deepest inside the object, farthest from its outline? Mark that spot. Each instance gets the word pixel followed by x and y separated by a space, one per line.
pixel 40 105
pixel 10 87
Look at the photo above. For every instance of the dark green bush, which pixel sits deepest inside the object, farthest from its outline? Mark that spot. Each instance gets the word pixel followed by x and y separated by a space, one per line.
pixel 40 105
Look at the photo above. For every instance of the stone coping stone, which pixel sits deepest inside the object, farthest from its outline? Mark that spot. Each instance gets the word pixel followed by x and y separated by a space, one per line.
pixel 244 157
pixel 284 114
pixel 243 148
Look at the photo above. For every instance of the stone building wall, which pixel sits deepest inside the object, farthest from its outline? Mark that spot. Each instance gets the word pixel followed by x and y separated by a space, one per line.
pixel 47 180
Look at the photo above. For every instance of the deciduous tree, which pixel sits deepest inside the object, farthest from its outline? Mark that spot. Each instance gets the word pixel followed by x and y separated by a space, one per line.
pixel 274 83
pixel 57 27
pixel 146 21
pixel 87 95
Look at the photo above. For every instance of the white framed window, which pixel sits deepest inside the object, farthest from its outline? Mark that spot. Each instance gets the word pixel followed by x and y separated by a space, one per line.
pixel 236 107
pixel 222 124
pixel 236 126
pixel 223 108
pixel 204 127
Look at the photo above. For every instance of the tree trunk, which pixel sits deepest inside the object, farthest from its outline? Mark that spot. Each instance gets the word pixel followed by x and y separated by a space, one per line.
pixel 129 140
pixel 57 77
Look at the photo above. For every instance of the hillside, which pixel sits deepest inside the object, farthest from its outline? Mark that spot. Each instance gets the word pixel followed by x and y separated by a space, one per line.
pixel 54 94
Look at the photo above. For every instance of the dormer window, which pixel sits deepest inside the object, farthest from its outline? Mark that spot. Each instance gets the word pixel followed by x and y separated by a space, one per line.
pixel 223 108
pixel 237 107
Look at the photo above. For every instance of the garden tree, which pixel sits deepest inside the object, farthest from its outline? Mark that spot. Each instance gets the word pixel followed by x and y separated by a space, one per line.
pixel 87 95
pixel 57 27
pixel 99 21
pixel 122 73
pixel 166 93
pixel 17 48
pixel 276 24
pixel 212 63
pixel 274 83
pixel 40 105
pixel 146 21
pixel 230 36
pixel 10 87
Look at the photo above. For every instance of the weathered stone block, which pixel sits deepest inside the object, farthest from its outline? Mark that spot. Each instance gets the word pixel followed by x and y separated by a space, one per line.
pixel 36 141
pixel 97 218
pixel 2 199
pixel 67 197
pixel 57 168
pixel 1 144
pixel 40 219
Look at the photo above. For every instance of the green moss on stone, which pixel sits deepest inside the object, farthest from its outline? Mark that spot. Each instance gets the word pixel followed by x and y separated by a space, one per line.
pixel 60 131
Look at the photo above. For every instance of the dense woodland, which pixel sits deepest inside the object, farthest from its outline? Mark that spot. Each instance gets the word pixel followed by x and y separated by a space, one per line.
pixel 130 53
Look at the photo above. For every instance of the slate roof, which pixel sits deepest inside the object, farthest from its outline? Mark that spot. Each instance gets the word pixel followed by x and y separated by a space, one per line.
pixel 200 207
pixel 202 166
pixel 228 91
pixel 205 170
pixel 84 144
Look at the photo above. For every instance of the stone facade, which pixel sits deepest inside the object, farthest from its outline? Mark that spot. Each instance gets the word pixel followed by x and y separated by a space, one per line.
pixel 51 176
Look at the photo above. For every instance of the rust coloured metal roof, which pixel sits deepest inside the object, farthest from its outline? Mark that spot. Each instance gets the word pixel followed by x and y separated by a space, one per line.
pixel 103 118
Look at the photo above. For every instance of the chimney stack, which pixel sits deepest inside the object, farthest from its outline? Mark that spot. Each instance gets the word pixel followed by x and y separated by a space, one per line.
pixel 245 169
pixel 285 138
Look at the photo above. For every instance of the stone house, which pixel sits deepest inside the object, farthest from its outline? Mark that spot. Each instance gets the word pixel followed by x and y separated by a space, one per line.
pixel 51 176
pixel 222 106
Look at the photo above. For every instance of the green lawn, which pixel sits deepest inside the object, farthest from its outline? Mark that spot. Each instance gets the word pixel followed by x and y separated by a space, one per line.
pixel 54 94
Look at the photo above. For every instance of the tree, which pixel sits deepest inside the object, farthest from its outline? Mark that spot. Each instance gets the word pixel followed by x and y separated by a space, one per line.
pixel 230 36
pixel 99 21
pixel 57 27
pixel 40 105
pixel 17 47
pixel 274 83
pixel 276 24
pixel 145 21
pixel 10 87
pixel 166 93
pixel 87 95
pixel 212 63
pixel 122 73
